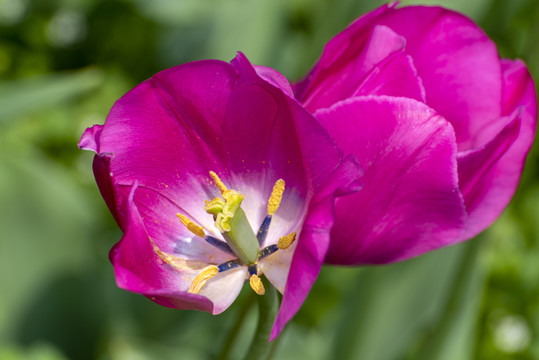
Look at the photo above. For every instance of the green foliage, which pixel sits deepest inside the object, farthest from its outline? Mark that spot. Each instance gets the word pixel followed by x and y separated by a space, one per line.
pixel 63 63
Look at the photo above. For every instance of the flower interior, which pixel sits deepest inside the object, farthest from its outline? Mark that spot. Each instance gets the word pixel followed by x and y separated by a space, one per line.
pixel 239 238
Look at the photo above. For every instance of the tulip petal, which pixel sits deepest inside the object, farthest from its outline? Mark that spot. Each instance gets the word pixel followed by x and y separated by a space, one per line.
pixel 456 61
pixel 329 176
pixel 349 40
pixel 170 235
pixel 314 239
pixel 275 78
pixel 489 175
pixel 459 66
pixel 352 65
pixel 410 202
pixel 139 269
pixel 171 130
pixel 394 76
pixel 519 92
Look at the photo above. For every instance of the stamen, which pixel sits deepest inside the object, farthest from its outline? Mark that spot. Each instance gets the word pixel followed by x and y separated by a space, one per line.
pixel 199 281
pixel 229 265
pixel 285 241
pixel 276 196
pixel 263 230
pixel 256 284
pixel 268 250
pixel 191 226
pixel 252 269
pixel 221 245
pixel 218 182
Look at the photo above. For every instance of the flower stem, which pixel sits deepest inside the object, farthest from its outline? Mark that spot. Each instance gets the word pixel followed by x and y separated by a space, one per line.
pixel 268 305
pixel 234 331
pixel 465 296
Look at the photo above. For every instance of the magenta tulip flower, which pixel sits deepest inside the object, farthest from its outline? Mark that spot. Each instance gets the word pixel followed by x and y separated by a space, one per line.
pixel 439 122
pixel 195 164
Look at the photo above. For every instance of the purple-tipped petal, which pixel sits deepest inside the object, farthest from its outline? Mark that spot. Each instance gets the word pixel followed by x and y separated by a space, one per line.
pixel 410 202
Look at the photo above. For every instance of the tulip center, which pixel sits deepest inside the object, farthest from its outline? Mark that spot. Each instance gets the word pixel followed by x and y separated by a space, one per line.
pixel 240 239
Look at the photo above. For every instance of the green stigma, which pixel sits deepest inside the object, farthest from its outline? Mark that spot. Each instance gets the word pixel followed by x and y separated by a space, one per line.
pixel 231 221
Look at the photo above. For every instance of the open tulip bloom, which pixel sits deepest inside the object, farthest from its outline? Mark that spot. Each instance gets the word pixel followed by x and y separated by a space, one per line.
pixel 222 173
pixel 215 177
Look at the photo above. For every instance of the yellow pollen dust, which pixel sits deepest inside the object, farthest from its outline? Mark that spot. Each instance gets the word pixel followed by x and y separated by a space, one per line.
pixel 200 279
pixel 285 241
pixel 218 182
pixel 276 197
pixel 191 226
pixel 256 284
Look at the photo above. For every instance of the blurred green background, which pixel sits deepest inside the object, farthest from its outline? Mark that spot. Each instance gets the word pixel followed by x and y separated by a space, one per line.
pixel 62 66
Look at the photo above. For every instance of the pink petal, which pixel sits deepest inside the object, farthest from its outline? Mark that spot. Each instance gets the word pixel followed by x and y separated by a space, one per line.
pixel 394 76
pixel 518 91
pixel 458 63
pixel 410 203
pixel 313 241
pixel 489 175
pixel 275 78
pixel 351 40
pixel 353 65
pixel 90 138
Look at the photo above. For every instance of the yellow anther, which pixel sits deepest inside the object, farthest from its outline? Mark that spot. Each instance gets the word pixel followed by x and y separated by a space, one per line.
pixel 199 281
pixel 276 196
pixel 191 226
pixel 218 182
pixel 285 241
pixel 256 284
